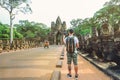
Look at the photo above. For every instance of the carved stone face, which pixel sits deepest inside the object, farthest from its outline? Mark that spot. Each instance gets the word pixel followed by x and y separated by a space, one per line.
pixel 58 27
pixel 64 25
pixel 105 29
pixel 52 26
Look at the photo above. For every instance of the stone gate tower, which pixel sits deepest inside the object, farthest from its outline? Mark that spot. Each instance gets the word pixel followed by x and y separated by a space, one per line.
pixel 58 29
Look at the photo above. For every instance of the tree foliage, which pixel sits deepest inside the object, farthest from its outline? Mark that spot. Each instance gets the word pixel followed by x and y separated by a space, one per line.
pixel 109 13
pixel 5 32
pixel 32 29
pixel 75 22
pixel 83 27
pixel 13 7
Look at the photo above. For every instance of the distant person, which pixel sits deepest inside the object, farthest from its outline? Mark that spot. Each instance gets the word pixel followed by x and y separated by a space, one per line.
pixel 71 42
pixel 46 44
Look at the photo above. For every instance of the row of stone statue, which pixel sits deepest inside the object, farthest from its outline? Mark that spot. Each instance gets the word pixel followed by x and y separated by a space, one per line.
pixel 18 44
pixel 104 44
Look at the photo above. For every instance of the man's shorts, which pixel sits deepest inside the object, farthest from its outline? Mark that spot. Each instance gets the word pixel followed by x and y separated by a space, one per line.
pixel 72 57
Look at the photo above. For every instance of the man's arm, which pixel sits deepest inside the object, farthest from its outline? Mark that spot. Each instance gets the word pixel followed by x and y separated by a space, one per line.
pixel 64 39
pixel 77 43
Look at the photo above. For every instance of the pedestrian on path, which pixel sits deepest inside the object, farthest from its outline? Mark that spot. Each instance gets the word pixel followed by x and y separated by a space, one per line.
pixel 71 42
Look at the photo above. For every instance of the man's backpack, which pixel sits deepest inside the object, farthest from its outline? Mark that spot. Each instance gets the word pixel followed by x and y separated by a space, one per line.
pixel 70 45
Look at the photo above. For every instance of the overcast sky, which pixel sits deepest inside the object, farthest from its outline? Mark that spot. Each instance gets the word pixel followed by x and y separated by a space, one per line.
pixel 46 11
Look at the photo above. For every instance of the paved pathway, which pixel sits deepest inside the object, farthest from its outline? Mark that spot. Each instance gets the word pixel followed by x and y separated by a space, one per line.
pixel 86 71
pixel 39 63
pixel 31 64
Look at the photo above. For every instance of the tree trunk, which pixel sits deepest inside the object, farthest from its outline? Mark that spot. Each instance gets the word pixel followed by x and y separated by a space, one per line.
pixel 11 30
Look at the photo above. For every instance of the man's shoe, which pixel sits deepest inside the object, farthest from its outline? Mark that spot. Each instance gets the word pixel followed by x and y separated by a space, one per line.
pixel 69 76
pixel 76 77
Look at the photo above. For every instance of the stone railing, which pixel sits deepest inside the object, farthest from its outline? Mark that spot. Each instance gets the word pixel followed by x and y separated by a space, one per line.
pixel 18 44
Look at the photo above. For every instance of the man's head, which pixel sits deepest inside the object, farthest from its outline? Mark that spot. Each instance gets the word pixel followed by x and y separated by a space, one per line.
pixel 71 31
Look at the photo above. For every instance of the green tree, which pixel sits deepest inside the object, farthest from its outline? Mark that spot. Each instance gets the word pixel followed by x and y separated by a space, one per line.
pixel 114 6
pixel 85 27
pixel 110 13
pixel 75 22
pixel 32 29
pixel 13 7
pixel 4 32
pixel 82 27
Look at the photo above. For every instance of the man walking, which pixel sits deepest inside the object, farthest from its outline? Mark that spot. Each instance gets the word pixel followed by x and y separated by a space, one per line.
pixel 72 44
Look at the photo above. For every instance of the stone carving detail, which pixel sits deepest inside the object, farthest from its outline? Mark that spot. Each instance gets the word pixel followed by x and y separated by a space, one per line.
pixel 94 32
pixel 64 26
pixel 106 29
pixel 52 26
